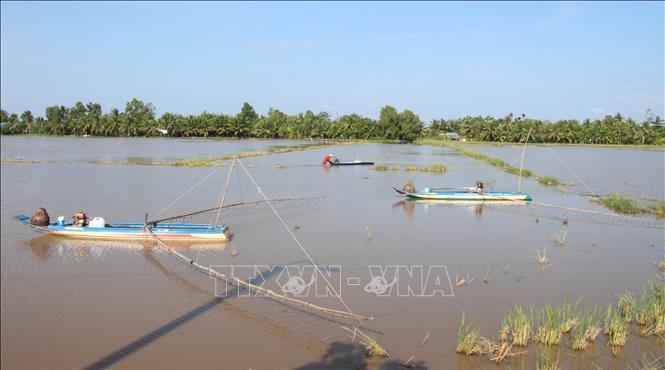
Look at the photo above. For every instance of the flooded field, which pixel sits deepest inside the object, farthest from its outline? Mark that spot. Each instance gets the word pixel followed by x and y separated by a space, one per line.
pixel 72 303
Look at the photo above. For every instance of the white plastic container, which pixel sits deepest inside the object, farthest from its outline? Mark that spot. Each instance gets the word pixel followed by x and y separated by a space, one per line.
pixel 97 222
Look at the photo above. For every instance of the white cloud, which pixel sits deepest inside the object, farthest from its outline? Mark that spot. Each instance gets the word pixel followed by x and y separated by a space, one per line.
pixel 597 110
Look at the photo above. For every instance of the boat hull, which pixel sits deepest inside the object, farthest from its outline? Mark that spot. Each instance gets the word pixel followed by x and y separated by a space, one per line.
pixel 469 196
pixel 353 163
pixel 134 231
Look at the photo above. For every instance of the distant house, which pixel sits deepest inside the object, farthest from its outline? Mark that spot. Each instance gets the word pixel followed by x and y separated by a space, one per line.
pixel 453 136
pixel 163 131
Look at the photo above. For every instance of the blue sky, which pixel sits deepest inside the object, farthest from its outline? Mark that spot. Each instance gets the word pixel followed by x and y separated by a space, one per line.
pixel 440 59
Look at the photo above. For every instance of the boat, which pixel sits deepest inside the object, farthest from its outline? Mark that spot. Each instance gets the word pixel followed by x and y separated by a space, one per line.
pixel 353 163
pixel 465 194
pixel 164 231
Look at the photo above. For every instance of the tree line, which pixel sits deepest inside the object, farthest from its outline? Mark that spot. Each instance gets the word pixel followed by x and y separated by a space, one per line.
pixel 139 119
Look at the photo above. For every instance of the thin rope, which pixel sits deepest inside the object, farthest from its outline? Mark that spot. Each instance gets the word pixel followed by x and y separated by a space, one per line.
pixel 302 248
pixel 187 192
pixel 226 186
pixel 591 211
pixel 519 182
pixel 571 171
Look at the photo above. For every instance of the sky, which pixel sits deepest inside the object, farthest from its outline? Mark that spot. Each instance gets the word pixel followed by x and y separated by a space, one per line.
pixel 550 60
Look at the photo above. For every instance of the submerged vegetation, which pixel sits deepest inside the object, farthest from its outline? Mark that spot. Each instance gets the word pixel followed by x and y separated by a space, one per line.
pixel 621 204
pixel 624 205
pixel 548 181
pixel 436 168
pixel 139 119
pixel 496 162
pixel 468 339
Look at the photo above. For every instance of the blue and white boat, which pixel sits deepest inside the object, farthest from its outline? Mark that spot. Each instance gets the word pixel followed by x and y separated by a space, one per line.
pixel 465 194
pixel 98 229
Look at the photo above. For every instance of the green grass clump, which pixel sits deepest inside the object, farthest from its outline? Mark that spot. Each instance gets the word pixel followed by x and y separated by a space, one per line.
pixel 254 153
pixel 434 168
pixel 548 181
pixel 569 316
pixel 137 161
pixel 620 204
pixel 651 312
pixel 616 330
pixel 468 339
pixel 657 207
pixel 438 168
pixel 516 327
pixel 586 330
pixel 194 162
pixel 549 324
pixel 383 167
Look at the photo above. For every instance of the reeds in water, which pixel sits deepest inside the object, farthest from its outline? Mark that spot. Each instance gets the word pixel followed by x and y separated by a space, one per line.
pixel 569 316
pixel 549 324
pixel 544 362
pixel 468 339
pixel 372 347
pixel 616 330
pixel 541 256
pixel 516 327
pixel 586 330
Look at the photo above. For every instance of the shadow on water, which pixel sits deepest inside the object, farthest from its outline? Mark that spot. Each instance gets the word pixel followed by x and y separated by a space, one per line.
pixel 346 355
pixel 142 342
pixel 165 329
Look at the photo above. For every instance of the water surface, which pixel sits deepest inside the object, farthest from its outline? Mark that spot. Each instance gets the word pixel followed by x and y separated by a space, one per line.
pixel 130 305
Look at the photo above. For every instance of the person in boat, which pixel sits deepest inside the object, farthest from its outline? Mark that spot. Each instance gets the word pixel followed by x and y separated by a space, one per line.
pixel 80 219
pixel 329 159
pixel 480 186
pixel 409 187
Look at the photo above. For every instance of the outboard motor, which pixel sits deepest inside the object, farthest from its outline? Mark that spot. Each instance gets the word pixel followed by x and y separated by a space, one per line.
pixel 40 218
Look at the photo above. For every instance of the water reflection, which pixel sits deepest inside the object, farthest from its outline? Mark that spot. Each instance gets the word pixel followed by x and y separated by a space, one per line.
pixel 81 250
pixel 477 207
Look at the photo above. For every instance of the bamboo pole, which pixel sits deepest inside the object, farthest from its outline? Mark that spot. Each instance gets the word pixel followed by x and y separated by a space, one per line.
pixel 226 206
pixel 267 292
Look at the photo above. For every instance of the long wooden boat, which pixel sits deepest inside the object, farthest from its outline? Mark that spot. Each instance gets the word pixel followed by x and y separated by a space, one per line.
pixel 466 195
pixel 165 231
pixel 352 163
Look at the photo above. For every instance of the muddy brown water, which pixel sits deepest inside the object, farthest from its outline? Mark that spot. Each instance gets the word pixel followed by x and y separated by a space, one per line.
pixel 71 303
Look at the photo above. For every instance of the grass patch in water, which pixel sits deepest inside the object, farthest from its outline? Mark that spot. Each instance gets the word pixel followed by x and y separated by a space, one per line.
pixel 548 181
pixel 138 161
pixel 18 160
pixel 516 327
pixel 437 168
pixel 621 204
pixel 381 168
pixel 549 324
pixel 657 207
pixel 195 162
pixel 496 162
pixel 616 330
pixel 468 339
pixel 254 153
